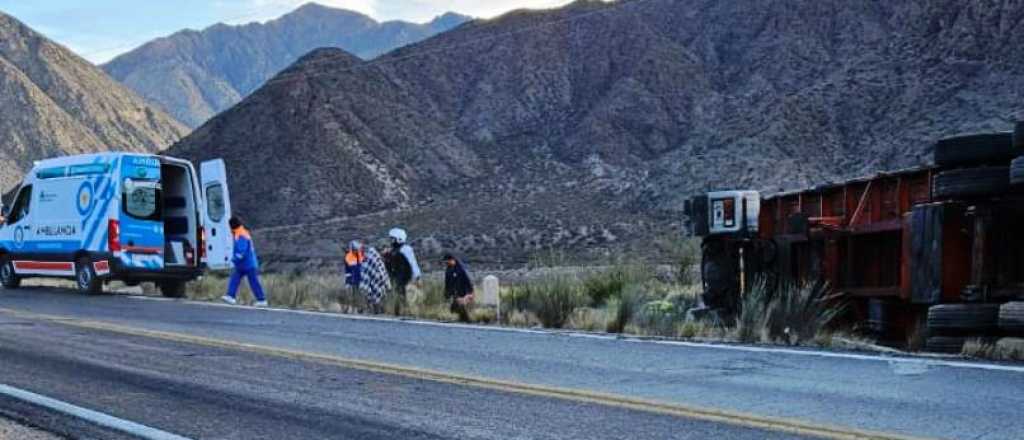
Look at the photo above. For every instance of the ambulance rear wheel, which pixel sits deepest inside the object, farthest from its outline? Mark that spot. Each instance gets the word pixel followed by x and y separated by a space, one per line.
pixel 86 279
pixel 172 289
pixel 8 278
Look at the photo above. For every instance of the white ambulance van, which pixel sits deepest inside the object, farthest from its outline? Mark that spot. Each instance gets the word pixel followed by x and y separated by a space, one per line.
pixel 117 216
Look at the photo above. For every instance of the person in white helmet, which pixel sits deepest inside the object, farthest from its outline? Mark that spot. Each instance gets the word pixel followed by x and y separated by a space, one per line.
pixel 402 265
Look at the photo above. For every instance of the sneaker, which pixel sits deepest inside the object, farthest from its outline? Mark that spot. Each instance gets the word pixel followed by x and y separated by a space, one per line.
pixel 260 304
pixel 229 300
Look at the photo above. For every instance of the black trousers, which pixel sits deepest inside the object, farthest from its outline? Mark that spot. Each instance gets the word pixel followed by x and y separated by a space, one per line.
pixel 459 309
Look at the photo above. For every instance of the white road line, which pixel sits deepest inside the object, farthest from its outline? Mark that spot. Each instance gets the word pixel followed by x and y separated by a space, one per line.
pixel 907 358
pixel 104 420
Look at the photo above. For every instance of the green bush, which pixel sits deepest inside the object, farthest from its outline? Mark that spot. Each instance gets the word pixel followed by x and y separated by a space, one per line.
pixel 601 287
pixel 658 317
pixel 552 299
pixel 789 313
pixel 623 308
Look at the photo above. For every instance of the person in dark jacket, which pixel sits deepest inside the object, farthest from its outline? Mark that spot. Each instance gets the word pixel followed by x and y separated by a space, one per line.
pixel 247 265
pixel 458 287
pixel 402 266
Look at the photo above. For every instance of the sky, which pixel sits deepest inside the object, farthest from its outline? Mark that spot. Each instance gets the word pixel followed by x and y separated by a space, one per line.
pixel 99 30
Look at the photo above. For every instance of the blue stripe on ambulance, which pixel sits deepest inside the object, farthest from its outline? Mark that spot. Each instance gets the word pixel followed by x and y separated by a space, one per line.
pixel 43 246
pixel 107 197
pixel 96 184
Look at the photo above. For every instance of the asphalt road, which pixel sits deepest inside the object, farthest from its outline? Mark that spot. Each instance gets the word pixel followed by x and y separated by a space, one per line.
pixel 207 392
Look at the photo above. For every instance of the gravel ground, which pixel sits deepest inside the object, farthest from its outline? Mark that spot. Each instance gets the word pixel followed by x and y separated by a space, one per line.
pixel 11 430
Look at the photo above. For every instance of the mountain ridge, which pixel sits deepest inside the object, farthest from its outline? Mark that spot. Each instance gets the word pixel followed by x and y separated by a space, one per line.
pixel 57 103
pixel 195 74
pixel 585 127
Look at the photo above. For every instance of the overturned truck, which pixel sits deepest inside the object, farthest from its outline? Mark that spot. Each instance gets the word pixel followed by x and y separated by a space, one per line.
pixel 931 255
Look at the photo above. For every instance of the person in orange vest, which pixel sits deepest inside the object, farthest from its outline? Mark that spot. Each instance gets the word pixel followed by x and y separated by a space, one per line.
pixel 354 258
pixel 247 265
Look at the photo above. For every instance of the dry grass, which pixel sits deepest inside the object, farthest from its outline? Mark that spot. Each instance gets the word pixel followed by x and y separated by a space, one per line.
pixel 521 319
pixel 1005 349
pixel 293 291
pixel 588 319
pixel 624 298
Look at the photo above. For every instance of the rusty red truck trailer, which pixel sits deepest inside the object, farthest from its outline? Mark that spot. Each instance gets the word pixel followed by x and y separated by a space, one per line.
pixel 935 252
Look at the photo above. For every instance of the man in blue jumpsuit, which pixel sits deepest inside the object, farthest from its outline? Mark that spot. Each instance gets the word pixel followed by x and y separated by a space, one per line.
pixel 247 265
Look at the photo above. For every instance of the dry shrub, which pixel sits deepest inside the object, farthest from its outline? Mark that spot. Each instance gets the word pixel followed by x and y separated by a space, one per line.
pixel 609 284
pixel 623 309
pixel 554 299
pixel 483 315
pixel 521 319
pixel 789 313
pixel 551 298
pixel 1005 349
pixel 588 319
pixel 427 301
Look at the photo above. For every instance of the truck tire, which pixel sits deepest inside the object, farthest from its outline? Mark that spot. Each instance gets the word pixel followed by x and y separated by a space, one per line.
pixel 971 182
pixel 975 149
pixel 1017 171
pixel 86 279
pixel 172 289
pixel 945 344
pixel 1011 318
pixel 8 277
pixel 959 319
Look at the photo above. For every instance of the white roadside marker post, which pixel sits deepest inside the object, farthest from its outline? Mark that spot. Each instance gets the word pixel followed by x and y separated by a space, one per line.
pixel 492 296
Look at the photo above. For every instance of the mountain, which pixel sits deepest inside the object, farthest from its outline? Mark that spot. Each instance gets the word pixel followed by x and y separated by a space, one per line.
pixel 55 103
pixel 584 128
pixel 194 75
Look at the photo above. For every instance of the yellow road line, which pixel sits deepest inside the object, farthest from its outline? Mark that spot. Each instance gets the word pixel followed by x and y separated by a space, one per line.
pixel 686 411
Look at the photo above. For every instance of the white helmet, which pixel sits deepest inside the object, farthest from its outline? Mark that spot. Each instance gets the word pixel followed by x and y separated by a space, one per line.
pixel 399 235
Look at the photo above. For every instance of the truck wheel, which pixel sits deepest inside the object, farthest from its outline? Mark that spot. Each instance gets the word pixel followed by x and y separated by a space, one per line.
pixel 1011 318
pixel 971 182
pixel 86 279
pixel 1017 171
pixel 172 289
pixel 975 149
pixel 8 277
pixel 958 319
pixel 946 344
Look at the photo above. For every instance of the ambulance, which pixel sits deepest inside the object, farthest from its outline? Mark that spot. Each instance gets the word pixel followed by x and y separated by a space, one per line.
pixel 114 216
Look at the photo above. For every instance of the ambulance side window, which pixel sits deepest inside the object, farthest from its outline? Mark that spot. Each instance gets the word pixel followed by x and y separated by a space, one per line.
pixel 21 205
pixel 215 202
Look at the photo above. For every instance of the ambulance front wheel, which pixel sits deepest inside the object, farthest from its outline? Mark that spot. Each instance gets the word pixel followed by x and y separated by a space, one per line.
pixel 86 279
pixel 8 278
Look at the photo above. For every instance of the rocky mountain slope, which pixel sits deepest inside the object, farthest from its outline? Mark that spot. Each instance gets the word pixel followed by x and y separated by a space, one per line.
pixel 52 103
pixel 194 75
pixel 586 127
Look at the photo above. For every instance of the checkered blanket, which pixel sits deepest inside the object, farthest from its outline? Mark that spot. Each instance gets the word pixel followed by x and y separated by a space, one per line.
pixel 376 281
